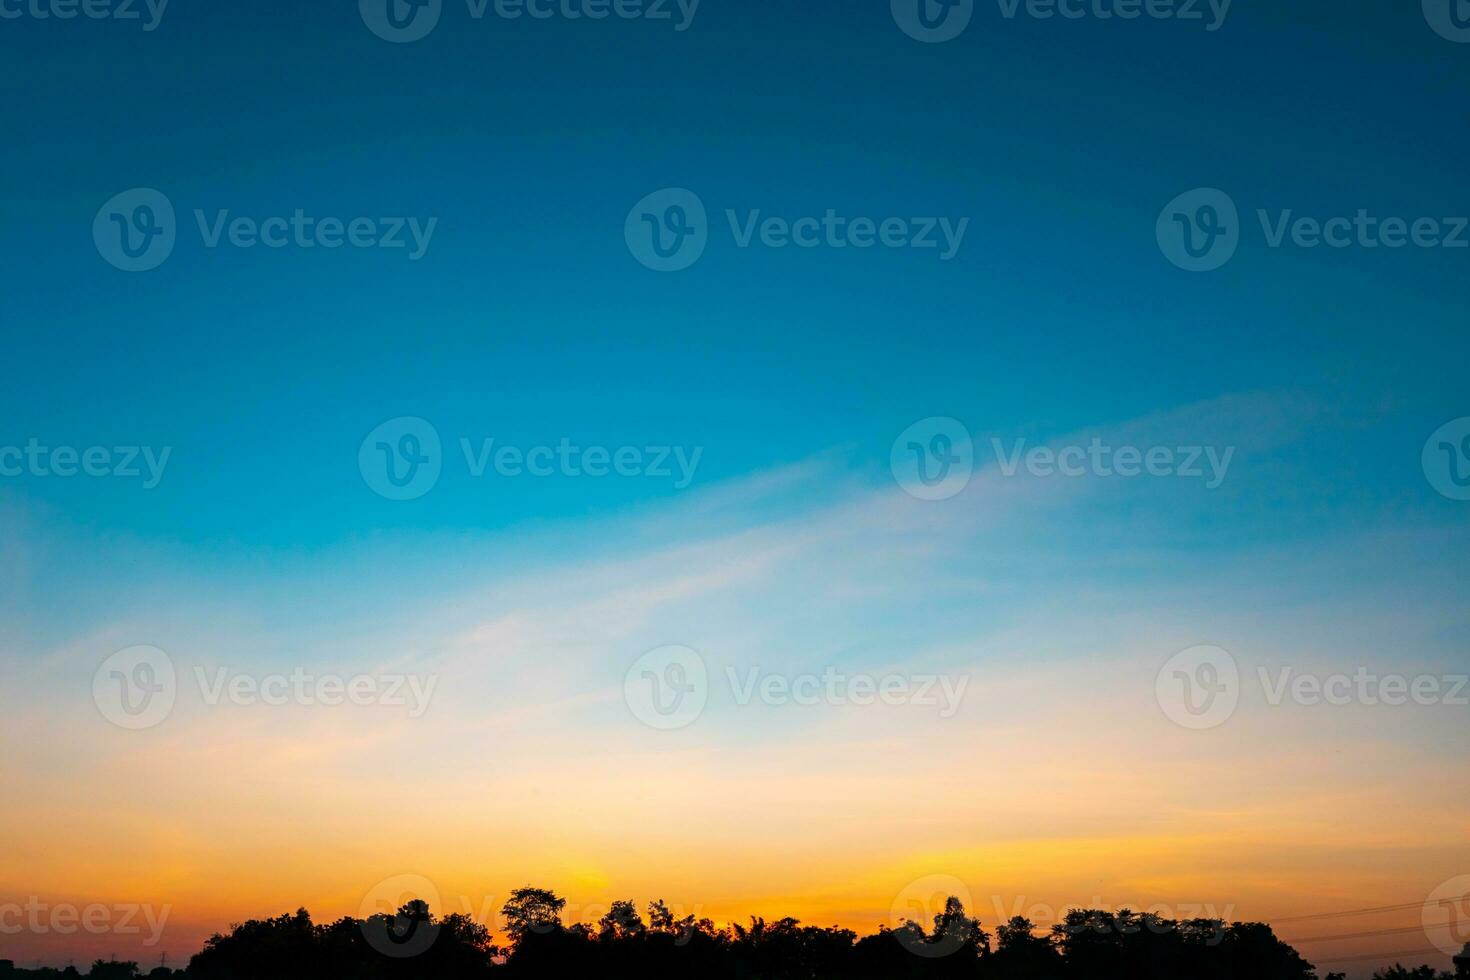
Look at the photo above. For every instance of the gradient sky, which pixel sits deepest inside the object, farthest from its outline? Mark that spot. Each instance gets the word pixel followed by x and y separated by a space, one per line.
pixel 1058 782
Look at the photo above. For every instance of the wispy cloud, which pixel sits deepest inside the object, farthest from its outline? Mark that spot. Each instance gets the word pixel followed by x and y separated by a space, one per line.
pixel 1059 765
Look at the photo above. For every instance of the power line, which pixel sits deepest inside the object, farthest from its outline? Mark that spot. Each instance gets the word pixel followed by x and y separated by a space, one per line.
pixel 1404 930
pixel 1380 908
pixel 1382 956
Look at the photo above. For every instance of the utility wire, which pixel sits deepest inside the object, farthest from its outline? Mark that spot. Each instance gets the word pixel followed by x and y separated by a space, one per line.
pixel 1381 908
pixel 1382 957
pixel 1358 935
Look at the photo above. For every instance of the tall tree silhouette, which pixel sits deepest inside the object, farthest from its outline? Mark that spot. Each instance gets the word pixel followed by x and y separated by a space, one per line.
pixel 415 944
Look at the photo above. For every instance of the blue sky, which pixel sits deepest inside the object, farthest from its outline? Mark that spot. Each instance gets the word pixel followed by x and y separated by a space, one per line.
pixel 793 370
pixel 527 318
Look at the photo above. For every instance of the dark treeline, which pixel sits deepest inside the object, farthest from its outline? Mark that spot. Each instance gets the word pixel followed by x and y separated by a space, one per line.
pixel 415 944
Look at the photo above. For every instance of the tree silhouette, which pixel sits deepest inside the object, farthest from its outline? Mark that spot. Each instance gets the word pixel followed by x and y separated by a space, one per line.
pixel 622 922
pixel 414 944
pixel 114 970
pixel 1398 972
pixel 532 910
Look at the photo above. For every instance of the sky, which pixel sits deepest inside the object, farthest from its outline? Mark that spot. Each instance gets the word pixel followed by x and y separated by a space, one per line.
pixel 768 517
